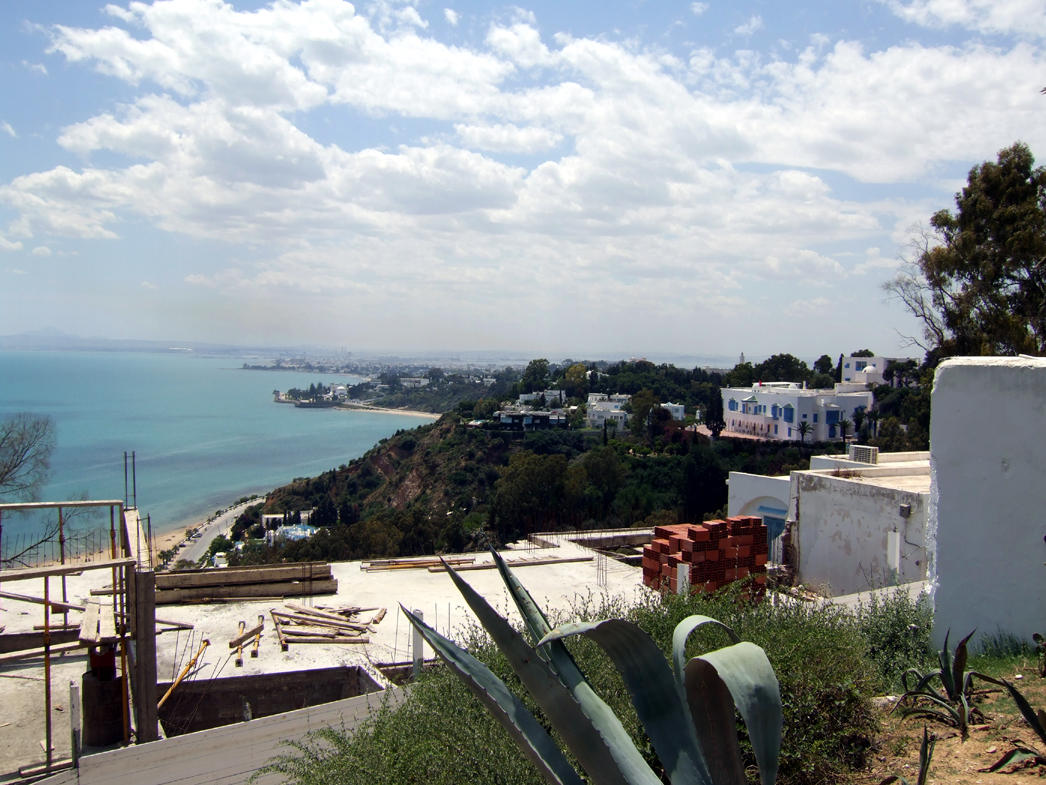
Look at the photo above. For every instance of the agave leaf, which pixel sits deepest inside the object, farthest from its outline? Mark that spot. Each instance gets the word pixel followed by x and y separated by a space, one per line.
pixel 602 755
pixel 621 747
pixel 681 634
pixel 748 675
pixel 1035 719
pixel 959 668
pixel 1013 757
pixel 712 709
pixel 944 659
pixel 533 616
pixel 509 710
pixel 658 700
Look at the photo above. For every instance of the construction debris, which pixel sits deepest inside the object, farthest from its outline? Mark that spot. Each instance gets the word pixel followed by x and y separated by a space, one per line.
pixel 298 624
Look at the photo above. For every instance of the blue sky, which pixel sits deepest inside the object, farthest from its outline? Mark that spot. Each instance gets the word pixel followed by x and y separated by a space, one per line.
pixel 562 178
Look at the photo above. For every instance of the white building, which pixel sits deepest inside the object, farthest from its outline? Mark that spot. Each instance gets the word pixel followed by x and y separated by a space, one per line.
pixel 413 382
pixel 865 370
pixel 552 398
pixel 855 525
pixel 675 409
pixel 774 410
pixel 603 408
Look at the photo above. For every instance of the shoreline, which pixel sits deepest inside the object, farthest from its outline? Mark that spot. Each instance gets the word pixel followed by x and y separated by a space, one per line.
pixel 362 407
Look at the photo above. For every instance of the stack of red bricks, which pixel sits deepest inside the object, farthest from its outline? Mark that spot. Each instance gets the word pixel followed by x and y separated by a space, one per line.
pixel 706 556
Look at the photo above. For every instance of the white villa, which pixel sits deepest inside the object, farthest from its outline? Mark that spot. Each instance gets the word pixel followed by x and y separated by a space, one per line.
pixel 774 410
pixel 604 408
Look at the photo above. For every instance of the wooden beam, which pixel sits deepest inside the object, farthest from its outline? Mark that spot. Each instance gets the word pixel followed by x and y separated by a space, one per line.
pixel 243 637
pixel 234 576
pixel 144 610
pixel 61 569
pixel 514 564
pixel 25 654
pixel 248 591
pixel 89 632
pixel 55 604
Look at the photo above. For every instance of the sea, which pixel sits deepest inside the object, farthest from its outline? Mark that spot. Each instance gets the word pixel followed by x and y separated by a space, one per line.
pixel 203 431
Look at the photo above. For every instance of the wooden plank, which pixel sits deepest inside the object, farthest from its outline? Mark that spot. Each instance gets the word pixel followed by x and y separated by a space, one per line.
pixel 107 625
pixel 61 569
pixel 379 616
pixel 298 608
pixel 316 639
pixel 25 654
pixel 235 576
pixel 243 637
pixel 515 564
pixel 89 623
pixel 55 604
pixel 248 591
pixel 279 632
pixel 289 621
pixel 17 641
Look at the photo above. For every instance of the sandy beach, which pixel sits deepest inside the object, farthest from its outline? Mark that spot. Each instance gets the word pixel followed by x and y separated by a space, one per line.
pixel 384 410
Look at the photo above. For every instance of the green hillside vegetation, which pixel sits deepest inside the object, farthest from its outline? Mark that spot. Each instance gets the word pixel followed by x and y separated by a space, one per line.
pixel 448 487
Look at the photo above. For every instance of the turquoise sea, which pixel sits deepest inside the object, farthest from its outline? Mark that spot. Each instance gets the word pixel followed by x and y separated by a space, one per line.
pixel 204 431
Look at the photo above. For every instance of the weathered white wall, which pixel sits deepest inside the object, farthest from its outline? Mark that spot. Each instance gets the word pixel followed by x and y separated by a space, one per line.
pixel 988 484
pixel 843 528
pixel 748 492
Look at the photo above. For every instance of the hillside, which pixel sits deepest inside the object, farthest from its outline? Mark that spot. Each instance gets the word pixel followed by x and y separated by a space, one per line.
pixel 450 487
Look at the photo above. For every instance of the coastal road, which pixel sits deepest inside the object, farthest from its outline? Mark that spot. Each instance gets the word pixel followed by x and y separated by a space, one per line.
pixel 196 549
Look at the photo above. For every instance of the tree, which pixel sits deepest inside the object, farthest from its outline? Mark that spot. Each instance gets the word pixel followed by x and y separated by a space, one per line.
pixel 643 404
pixel 26 443
pixel 714 419
pixel 782 368
pixel 978 283
pixel 575 381
pixel 535 376
pixel 844 429
pixel 804 429
pixel 823 365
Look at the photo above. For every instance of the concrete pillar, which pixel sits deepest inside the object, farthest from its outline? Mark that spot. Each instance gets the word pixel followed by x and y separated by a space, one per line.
pixel 986 529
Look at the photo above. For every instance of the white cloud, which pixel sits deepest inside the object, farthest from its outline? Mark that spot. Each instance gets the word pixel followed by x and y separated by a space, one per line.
pixel 40 68
pixel 507 137
pixel 1026 18
pixel 7 129
pixel 149 286
pixel 9 245
pixel 41 250
pixel 451 16
pixel 357 156
pixel 754 24
pixel 698 8
pixel 521 43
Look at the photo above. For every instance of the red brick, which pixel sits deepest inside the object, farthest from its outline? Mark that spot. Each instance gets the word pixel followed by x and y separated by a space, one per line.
pixel 760 559
pixel 698 534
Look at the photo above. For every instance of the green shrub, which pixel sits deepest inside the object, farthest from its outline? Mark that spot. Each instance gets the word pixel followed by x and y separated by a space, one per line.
pixel 442 734
pixel 896 631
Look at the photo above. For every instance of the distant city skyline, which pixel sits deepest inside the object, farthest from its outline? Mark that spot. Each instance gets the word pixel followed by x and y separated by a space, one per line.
pixel 691 179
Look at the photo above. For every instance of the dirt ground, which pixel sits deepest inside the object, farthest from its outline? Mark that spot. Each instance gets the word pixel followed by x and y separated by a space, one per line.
pixel 955 762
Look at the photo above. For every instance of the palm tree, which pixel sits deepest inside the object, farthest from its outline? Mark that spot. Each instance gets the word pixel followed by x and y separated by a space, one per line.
pixel 804 428
pixel 873 422
pixel 844 426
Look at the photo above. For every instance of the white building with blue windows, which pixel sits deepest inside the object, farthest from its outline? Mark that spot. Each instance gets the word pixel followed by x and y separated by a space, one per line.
pixel 775 410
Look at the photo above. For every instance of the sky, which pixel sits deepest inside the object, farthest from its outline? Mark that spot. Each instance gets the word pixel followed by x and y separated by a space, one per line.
pixel 699 178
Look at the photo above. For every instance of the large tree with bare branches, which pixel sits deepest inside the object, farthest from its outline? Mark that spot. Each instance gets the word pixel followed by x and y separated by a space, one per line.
pixel 978 281
pixel 26 442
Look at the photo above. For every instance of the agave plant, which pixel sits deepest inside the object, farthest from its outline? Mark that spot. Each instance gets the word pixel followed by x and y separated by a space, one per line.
pixel 951 704
pixel 1036 719
pixel 925 756
pixel 687 710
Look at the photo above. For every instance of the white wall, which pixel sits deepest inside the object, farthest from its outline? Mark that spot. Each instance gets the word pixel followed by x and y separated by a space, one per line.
pixel 747 492
pixel 988 466
pixel 843 527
